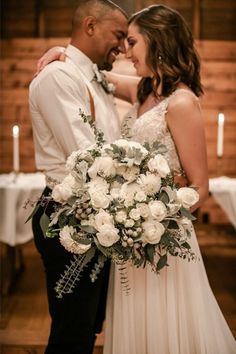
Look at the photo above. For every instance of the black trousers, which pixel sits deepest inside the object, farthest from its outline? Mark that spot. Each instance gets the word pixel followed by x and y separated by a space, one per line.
pixel 77 317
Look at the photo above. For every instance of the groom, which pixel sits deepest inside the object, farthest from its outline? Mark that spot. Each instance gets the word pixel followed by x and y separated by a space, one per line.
pixel 56 95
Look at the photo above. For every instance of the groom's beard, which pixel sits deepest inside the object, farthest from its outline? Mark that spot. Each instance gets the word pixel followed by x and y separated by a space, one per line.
pixel 105 66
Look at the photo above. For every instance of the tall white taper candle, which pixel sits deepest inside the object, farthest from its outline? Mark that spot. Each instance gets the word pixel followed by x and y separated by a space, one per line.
pixel 16 151
pixel 220 135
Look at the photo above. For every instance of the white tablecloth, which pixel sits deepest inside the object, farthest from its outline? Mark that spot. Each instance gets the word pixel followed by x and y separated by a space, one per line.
pixel 223 190
pixel 13 196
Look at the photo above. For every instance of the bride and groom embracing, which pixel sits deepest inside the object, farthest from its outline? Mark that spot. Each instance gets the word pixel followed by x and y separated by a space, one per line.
pixel 175 312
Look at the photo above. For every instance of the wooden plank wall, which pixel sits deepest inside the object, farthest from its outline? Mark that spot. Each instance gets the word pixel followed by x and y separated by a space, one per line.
pixel 17 66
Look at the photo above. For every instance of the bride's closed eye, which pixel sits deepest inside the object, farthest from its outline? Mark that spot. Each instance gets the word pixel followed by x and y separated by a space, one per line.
pixel 131 42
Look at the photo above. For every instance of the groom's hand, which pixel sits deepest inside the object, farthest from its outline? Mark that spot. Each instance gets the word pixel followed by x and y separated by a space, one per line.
pixel 181 181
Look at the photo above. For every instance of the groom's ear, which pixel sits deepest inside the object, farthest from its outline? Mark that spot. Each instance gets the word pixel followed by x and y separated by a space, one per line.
pixel 89 24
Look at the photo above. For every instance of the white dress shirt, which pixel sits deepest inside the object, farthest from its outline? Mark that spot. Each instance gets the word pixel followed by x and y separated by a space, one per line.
pixel 56 96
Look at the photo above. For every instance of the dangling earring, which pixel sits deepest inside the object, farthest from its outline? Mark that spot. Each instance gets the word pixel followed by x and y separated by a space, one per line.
pixel 160 59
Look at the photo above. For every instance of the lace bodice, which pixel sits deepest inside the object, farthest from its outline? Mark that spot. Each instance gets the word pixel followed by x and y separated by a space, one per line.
pixel 152 126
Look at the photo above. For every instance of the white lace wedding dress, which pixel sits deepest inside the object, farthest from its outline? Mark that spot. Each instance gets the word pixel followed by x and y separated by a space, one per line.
pixel 174 312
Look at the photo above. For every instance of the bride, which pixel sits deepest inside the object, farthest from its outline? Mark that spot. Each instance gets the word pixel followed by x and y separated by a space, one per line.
pixel 176 311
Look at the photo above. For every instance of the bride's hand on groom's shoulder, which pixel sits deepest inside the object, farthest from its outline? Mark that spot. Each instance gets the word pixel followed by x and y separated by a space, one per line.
pixel 54 53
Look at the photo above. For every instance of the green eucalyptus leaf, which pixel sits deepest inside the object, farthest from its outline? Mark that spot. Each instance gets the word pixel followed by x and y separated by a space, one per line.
pixel 150 252
pixel 162 262
pixel 185 212
pixel 89 229
pixel 44 223
pixel 34 211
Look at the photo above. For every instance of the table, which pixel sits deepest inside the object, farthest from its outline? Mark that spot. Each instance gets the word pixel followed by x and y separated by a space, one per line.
pixel 15 191
pixel 223 190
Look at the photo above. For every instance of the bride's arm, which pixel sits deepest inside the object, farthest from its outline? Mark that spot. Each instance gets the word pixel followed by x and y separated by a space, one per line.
pixel 51 54
pixel 125 86
pixel 185 122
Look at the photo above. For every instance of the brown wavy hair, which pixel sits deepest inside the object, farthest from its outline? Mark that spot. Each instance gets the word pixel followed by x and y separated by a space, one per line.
pixel 170 48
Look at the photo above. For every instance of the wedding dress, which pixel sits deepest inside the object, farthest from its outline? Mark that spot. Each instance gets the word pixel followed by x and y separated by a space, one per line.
pixel 174 312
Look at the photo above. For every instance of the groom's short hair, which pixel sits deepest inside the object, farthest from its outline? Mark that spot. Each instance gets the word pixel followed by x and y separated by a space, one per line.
pixel 96 8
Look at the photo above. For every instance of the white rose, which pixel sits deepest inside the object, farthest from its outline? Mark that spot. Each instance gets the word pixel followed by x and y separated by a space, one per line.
pixel 153 231
pixel 150 183
pixel 158 210
pixel 160 165
pixel 89 222
pixel 65 237
pixel 102 218
pixel 103 166
pixel 129 223
pixel 134 214
pixel 143 209
pixel 61 193
pixel 121 216
pixel 140 196
pixel 107 235
pixel 99 200
pixel 173 208
pixel 187 196
pixel 185 222
pixel 72 182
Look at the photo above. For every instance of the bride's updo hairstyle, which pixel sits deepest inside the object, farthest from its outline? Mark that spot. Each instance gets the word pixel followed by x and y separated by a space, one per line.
pixel 170 48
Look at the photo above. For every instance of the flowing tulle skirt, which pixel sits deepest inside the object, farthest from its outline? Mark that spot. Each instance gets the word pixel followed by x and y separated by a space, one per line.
pixel 171 313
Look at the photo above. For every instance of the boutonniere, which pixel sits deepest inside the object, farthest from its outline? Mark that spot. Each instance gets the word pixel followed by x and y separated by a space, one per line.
pixel 101 79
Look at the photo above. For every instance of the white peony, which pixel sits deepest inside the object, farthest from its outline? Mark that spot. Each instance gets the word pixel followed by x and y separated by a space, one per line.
pixel 160 165
pixel 152 231
pixel 98 184
pixel 158 210
pixel 121 216
pixel 99 200
pixel 150 183
pixel 102 218
pixel 65 237
pixel 103 166
pixel 187 196
pixel 108 235
pixel 128 191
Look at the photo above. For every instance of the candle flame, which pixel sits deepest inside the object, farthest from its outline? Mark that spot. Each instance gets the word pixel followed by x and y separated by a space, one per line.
pixel 15 131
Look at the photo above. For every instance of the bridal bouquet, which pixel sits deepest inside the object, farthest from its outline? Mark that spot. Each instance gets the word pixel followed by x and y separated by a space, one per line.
pixel 119 199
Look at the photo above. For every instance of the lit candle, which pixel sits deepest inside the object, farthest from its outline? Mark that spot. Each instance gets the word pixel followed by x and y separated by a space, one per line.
pixel 16 152
pixel 220 135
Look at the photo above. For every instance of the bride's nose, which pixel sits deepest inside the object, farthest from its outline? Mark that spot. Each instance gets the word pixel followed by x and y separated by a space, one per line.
pixel 128 54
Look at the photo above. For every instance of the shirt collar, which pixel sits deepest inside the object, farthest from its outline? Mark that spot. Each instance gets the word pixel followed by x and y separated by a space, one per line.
pixel 81 60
